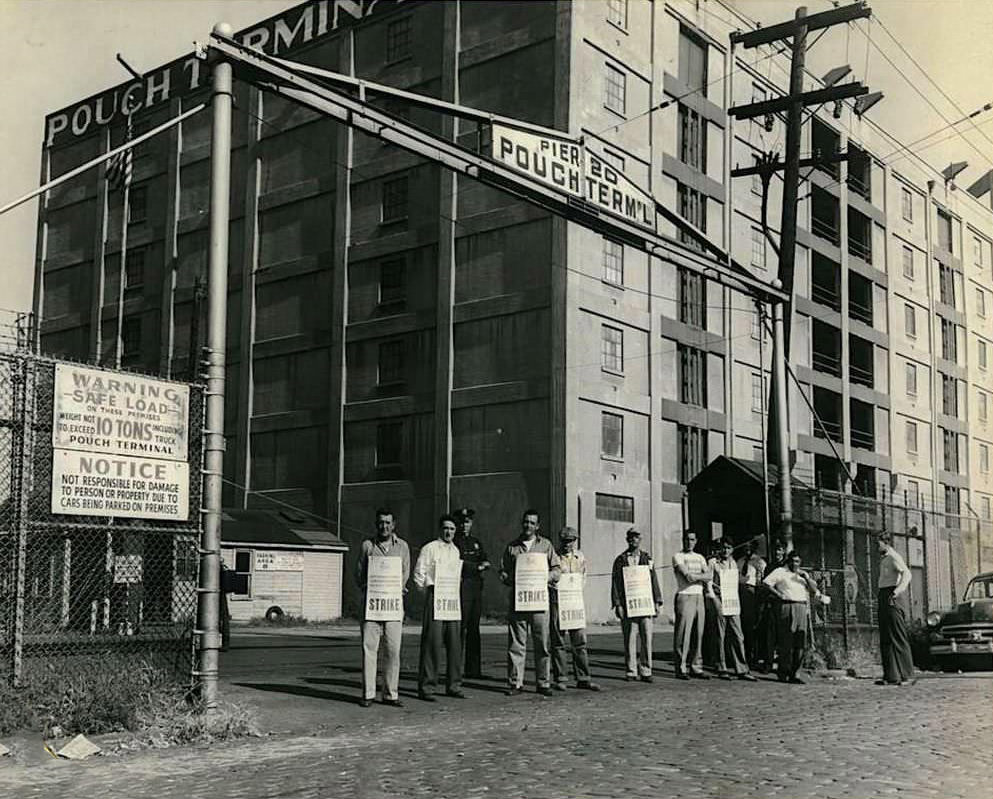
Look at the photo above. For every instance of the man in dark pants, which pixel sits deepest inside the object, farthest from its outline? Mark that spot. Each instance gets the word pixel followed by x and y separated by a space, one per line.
pixel 474 564
pixel 437 558
pixel 751 570
pixel 894 642
pixel 792 587
pixel 768 618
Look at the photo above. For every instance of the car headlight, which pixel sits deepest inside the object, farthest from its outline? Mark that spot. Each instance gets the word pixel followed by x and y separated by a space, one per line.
pixel 933 619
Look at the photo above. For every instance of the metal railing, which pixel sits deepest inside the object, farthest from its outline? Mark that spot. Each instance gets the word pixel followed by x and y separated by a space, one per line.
pixel 824 230
pixel 826 295
pixel 860 311
pixel 828 363
pixel 828 429
pixel 860 249
pixel 864 439
pixel 860 375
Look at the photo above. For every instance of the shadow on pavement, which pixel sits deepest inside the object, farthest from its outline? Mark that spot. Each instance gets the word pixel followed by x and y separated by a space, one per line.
pixel 300 690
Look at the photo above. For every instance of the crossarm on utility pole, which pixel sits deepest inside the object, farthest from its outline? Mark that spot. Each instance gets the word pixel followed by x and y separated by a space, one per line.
pixel 814 97
pixel 825 19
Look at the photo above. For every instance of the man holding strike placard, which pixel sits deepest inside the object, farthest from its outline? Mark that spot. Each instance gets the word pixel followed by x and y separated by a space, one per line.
pixel 568 615
pixel 722 592
pixel 381 572
pixel 636 597
pixel 529 564
pixel 438 574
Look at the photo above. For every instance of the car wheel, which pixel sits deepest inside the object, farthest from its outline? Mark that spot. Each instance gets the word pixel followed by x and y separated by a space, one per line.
pixel 275 613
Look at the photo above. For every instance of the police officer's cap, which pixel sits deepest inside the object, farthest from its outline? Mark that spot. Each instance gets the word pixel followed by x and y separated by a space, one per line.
pixel 464 513
pixel 633 531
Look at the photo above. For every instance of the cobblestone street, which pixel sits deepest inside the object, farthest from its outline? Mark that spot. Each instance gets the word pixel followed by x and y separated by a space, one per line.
pixel 827 739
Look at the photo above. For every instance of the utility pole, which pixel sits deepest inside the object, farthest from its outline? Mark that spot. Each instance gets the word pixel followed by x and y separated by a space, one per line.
pixel 792 105
pixel 208 615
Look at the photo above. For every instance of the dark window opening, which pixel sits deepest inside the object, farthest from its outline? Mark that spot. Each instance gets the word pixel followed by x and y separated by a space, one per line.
pixel 692 62
pixel 612 435
pixel 692 299
pixel 138 204
pixel 391 362
pixel 692 208
pixel 392 282
pixel 863 424
pixel 134 272
pixel 824 215
pixel 827 473
pixel 825 142
pixel 859 172
pixel 827 406
pixel 859 235
pixel 389 440
pixel 944 231
pixel 950 450
pixel 864 483
pixel 692 452
pixel 860 298
pixel 949 395
pixel 131 340
pixel 613 508
pixel 826 354
pixel 825 282
pixel 861 361
pixel 692 376
pixel 394 200
pixel 398 40
pixel 692 139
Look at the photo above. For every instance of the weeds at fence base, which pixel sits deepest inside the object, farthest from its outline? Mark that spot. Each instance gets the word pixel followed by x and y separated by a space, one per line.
pixel 859 656
pixel 123 695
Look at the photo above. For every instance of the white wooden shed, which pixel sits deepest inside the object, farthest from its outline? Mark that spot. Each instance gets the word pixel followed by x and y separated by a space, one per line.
pixel 281 560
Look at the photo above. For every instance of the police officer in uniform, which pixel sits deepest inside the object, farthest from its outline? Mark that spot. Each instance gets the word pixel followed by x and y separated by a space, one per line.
pixel 474 563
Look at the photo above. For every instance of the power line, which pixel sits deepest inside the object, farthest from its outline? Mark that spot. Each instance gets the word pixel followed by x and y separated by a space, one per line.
pixel 931 80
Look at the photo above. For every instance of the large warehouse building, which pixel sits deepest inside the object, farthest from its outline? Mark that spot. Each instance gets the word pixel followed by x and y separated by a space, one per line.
pixel 400 337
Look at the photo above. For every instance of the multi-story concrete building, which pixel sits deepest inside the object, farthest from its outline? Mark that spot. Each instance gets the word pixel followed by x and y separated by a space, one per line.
pixel 401 337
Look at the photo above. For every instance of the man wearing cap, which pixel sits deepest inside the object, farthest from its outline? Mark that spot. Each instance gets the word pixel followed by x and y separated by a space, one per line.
pixel 572 562
pixel 519 621
pixel 437 557
pixel 474 563
pixel 692 574
pixel 635 630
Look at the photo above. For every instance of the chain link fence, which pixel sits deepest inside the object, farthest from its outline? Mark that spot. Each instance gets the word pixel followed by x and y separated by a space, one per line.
pixel 77 592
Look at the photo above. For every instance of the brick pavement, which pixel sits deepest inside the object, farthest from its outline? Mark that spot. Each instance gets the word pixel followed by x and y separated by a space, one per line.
pixel 829 739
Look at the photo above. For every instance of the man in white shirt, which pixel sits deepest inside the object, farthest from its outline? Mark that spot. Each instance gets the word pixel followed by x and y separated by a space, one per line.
pixel 692 574
pixel 894 641
pixel 724 594
pixel 436 634
pixel 751 568
pixel 792 586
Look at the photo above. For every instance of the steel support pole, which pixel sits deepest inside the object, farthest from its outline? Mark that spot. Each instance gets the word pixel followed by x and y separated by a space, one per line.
pixel 208 626
pixel 782 427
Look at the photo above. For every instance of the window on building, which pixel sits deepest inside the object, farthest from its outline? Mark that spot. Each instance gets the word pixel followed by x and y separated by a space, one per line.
pixel 612 349
pixel 692 62
pixel 617 13
pixel 944 231
pixel 911 438
pixel 912 494
pixel 949 395
pixel 758 393
pixel 977 250
pixel 692 208
pixel 907 204
pixel 391 362
pixel 759 95
pixel 398 39
pixel 949 341
pixel 692 138
pixel 613 262
pixel 946 285
pixel 615 89
pixel 758 248
pixel 984 458
pixel 952 500
pixel 950 450
pixel 138 204
pixel 908 263
pixel 131 340
pixel 692 298
pixel 984 508
pixel 242 582
pixel 134 272
pixel 981 353
pixel 911 372
pixel 612 435
pixel 692 376
pixel 614 508
pixel 392 281
pixel 692 452
pixel 394 199
pixel 756 318
pixel 981 303
pixel 982 405
pixel 909 321
pixel 756 178
pixel 389 441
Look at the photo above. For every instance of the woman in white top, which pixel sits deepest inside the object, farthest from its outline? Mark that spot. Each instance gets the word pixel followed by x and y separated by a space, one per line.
pixel 792 586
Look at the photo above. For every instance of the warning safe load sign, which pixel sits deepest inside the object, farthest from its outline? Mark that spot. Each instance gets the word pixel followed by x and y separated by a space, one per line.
pixel 120 445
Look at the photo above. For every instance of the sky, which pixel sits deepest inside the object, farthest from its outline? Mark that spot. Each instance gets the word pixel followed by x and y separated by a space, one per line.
pixel 53 52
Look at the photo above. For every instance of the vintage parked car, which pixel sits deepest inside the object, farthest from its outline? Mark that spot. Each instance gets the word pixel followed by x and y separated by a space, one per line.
pixel 964 636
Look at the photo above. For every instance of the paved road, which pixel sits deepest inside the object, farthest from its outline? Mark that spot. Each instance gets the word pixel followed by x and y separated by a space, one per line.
pixel 828 739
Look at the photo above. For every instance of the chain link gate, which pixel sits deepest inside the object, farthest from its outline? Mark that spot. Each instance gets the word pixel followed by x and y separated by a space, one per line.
pixel 82 593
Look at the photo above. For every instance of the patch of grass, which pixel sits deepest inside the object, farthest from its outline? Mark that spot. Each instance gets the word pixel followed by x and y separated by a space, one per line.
pixel 116 694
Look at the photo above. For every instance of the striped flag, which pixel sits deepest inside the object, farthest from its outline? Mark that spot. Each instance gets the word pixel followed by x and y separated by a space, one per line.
pixel 119 167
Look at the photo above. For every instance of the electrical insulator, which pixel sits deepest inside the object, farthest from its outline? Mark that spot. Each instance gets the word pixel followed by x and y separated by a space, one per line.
pixel 768 123
pixel 837 109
